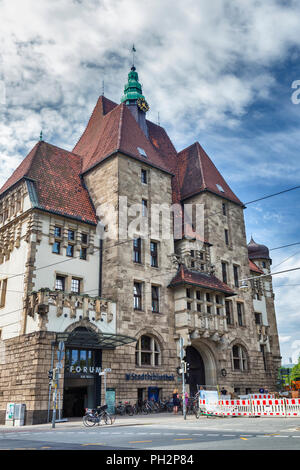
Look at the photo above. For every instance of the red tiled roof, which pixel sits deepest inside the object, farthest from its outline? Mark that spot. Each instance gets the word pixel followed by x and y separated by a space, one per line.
pixel 254 267
pixel 197 173
pixel 206 281
pixel 56 176
pixel 114 131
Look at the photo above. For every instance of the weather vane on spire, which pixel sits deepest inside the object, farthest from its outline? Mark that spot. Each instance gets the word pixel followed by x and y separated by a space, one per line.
pixel 133 50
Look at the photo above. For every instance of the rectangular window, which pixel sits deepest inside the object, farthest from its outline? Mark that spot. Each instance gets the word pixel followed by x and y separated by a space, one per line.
pixel 208 297
pixel 56 248
pixel 224 272
pixel 137 296
pixel 228 310
pixel 84 238
pixel 60 283
pixel 75 285
pixel 188 293
pixel 236 276
pixel 240 313
pixel 208 309
pixel 57 232
pixel 3 288
pixel 154 255
pixel 198 294
pixel 263 351
pixel 218 299
pixel 189 306
pixel 155 299
pixel 226 236
pixel 83 253
pixel 71 235
pixel 258 319
pixel 192 253
pixel 144 208
pixel 224 208
pixel 198 307
pixel 70 251
pixel 137 242
pixel 144 176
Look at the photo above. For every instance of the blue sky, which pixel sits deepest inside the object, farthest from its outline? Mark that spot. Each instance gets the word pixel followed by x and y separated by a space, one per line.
pixel 217 72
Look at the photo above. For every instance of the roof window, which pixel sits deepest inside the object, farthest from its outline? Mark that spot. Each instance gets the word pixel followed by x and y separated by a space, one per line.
pixel 142 152
pixel 220 188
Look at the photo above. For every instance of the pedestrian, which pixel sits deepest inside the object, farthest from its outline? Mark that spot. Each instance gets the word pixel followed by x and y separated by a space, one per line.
pixel 176 401
pixel 223 391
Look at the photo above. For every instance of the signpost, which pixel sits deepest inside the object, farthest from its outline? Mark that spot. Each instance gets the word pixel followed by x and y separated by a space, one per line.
pixel 183 371
pixel 104 372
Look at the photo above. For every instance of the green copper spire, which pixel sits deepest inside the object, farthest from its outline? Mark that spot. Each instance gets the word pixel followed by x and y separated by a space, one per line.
pixel 132 89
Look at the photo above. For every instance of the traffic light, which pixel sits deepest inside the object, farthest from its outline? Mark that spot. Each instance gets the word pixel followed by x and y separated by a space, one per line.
pixel 50 376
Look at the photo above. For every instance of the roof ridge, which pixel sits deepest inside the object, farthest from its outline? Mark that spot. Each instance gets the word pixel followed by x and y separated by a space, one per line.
pixel 120 125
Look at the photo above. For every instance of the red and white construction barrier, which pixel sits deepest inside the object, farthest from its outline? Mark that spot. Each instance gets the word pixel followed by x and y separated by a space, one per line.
pixel 292 407
pixel 235 407
pixel 253 396
pixel 275 407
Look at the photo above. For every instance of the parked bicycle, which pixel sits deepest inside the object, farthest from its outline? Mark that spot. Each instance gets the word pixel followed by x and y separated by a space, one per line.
pixel 124 408
pixel 93 417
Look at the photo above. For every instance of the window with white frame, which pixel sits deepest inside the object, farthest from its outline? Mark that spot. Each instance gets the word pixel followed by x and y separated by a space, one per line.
pixel 147 352
pixel 239 358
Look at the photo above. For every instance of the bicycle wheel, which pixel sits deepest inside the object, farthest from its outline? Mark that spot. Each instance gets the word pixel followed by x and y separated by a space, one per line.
pixel 108 419
pixel 89 420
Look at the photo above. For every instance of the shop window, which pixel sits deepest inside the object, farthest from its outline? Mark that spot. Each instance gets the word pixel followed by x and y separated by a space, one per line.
pixel 147 352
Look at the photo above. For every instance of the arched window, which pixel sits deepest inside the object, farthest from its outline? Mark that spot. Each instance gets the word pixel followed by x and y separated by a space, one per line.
pixel 147 352
pixel 239 358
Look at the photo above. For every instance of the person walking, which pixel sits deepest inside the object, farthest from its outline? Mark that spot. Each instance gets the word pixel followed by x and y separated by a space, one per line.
pixel 176 401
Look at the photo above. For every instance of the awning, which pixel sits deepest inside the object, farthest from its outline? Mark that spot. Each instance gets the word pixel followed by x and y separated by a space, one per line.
pixel 86 338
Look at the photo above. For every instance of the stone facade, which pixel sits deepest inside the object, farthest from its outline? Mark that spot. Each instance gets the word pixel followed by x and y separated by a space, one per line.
pixel 137 292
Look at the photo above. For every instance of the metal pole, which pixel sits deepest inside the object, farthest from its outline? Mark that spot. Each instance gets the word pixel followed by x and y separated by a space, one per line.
pixel 54 407
pixel 104 387
pixel 50 384
pixel 183 363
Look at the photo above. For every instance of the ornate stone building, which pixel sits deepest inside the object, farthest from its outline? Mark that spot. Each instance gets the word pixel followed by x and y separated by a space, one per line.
pixel 123 302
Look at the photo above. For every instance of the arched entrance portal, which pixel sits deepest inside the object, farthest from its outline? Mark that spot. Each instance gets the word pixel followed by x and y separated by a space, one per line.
pixel 196 374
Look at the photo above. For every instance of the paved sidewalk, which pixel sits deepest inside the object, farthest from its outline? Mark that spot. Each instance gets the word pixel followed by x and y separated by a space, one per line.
pixel 155 418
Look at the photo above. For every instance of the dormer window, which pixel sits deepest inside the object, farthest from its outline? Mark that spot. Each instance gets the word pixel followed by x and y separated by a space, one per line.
pixel 142 152
pixel 220 188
